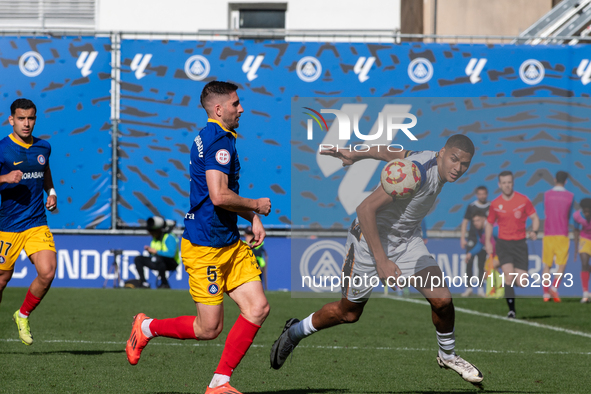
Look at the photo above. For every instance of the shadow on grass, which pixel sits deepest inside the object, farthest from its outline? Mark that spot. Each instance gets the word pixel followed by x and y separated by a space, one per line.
pixel 535 317
pixel 320 391
pixel 293 391
pixel 172 392
pixel 301 391
pixel 474 390
pixel 571 300
pixel 73 352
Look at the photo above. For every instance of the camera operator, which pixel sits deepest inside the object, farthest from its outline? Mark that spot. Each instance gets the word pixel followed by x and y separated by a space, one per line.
pixel 164 254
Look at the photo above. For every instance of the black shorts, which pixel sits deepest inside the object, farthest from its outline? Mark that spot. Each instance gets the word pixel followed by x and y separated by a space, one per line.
pixel 513 252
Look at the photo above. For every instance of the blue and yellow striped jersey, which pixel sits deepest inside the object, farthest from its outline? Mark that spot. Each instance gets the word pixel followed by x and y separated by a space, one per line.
pixel 22 205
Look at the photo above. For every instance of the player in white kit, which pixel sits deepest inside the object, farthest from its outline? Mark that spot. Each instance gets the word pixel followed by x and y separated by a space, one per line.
pixel 385 242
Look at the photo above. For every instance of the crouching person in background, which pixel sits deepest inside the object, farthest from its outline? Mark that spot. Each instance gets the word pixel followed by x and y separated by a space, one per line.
pixel 164 254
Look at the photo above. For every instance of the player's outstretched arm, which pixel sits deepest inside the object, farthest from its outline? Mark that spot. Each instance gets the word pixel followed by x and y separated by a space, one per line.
pixel 366 213
pixel 48 187
pixel 375 152
pixel 221 196
pixel 12 177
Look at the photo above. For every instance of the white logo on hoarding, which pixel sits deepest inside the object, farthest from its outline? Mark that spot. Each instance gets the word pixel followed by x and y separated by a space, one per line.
pixel 31 64
pixel 474 68
pixel 251 66
pixel 532 72
pixel 385 121
pixel 318 262
pixel 584 71
pixel 309 69
pixel 85 61
pixel 352 190
pixel 363 66
pixel 420 70
pixel 197 67
pixel 139 64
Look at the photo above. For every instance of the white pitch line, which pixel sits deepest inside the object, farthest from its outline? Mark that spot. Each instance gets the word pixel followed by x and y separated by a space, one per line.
pixel 517 321
pixel 387 348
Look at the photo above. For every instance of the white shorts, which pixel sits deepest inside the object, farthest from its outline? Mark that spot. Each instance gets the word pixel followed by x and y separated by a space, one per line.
pixel 411 256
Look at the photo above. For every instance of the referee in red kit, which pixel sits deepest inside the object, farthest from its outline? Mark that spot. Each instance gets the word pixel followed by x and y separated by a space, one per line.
pixel 511 210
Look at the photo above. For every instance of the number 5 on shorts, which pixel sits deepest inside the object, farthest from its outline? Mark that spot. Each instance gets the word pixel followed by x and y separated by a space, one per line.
pixel 212 275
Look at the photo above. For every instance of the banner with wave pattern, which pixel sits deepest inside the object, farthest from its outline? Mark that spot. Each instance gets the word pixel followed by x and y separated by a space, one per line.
pixel 69 80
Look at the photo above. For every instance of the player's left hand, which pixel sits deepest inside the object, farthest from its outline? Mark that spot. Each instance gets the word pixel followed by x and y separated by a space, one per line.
pixel 388 272
pixel 259 232
pixel 533 235
pixel 51 204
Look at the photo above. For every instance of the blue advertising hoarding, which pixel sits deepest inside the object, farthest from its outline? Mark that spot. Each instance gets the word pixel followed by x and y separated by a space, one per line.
pixel 161 115
pixel 69 80
pixel 316 266
pixel 532 137
pixel 87 261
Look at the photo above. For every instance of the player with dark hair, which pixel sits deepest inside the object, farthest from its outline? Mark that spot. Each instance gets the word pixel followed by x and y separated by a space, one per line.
pixel 479 206
pixel 511 210
pixel 582 220
pixel 215 258
pixel 24 175
pixel 558 207
pixel 385 241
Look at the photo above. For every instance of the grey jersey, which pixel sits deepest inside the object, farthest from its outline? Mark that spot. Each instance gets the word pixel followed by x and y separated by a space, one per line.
pixel 399 228
pixel 401 220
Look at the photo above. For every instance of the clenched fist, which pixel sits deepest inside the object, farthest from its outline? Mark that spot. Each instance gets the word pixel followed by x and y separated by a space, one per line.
pixel 263 206
pixel 12 177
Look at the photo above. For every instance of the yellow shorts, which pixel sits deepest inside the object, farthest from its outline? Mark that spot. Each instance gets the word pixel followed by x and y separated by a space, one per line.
pixel 555 245
pixel 32 240
pixel 214 271
pixel 584 246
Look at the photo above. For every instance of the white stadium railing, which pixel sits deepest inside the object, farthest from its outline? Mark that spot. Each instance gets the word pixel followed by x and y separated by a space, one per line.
pixel 292 35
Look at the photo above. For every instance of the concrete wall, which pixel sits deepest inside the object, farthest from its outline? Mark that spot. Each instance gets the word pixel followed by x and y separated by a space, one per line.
pixel 192 15
pixel 478 17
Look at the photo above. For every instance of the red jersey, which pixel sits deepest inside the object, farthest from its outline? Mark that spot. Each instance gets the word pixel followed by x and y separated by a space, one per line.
pixel 511 216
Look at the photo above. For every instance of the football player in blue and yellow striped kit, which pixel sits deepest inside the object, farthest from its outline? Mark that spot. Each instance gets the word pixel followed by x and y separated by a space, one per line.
pixel 24 175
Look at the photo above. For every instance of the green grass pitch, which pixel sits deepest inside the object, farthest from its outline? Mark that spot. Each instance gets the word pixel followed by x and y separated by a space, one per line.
pixel 80 338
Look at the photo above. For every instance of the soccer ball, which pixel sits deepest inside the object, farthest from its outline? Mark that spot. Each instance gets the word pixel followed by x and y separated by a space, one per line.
pixel 401 178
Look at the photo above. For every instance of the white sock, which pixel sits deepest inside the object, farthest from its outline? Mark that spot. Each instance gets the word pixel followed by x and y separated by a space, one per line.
pixel 299 331
pixel 447 343
pixel 146 328
pixel 22 316
pixel 218 380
